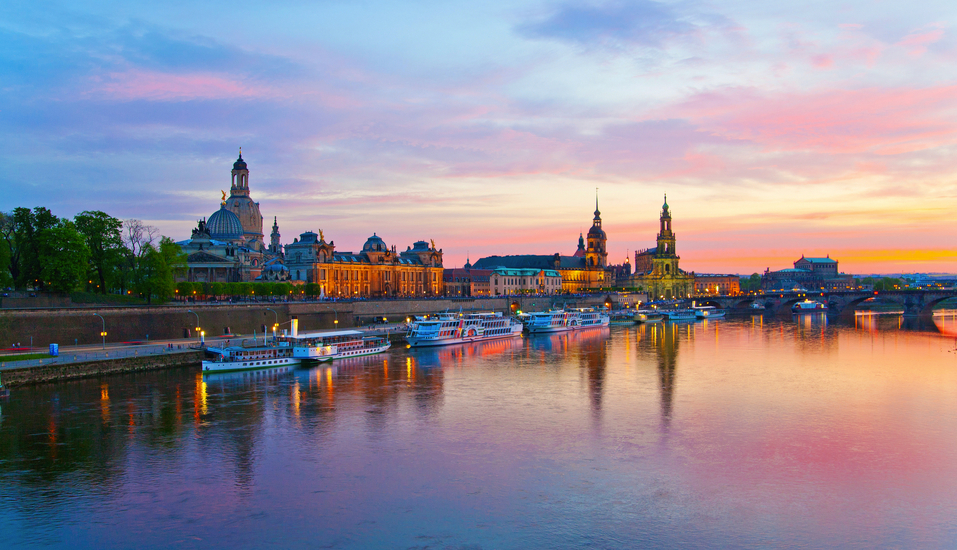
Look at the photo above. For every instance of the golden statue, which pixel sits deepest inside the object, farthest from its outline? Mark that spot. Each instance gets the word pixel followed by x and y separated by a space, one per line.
pixel 321 238
pixel 224 196
pixel 433 243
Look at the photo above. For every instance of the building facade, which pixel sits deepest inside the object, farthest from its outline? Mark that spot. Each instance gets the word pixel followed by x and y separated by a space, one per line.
pixel 586 269
pixel 717 285
pixel 376 271
pixel 656 270
pixel 505 281
pixel 228 246
pixel 808 274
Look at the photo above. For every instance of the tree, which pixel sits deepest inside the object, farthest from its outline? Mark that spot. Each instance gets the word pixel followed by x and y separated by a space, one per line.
pixel 157 269
pixel 104 240
pixel 64 257
pixel 25 259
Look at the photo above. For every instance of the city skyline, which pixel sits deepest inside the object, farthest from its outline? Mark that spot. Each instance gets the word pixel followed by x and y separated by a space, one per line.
pixel 775 131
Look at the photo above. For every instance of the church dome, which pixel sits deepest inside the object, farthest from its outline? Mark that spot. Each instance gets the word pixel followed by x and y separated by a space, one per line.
pixel 596 232
pixel 223 225
pixel 240 164
pixel 374 244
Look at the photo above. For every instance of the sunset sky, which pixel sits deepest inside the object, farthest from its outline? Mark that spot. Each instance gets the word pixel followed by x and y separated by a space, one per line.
pixel 776 129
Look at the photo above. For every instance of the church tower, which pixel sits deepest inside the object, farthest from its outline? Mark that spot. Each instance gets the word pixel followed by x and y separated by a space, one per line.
pixel 275 246
pixel 666 260
pixel 242 205
pixel 596 255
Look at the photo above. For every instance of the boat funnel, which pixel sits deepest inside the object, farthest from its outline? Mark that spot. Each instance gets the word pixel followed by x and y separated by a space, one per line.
pixel 295 326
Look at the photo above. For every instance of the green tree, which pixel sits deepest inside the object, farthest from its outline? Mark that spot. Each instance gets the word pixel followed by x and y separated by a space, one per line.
pixel 64 257
pixel 158 267
pixel 312 289
pixel 218 289
pixel 104 240
pixel 26 264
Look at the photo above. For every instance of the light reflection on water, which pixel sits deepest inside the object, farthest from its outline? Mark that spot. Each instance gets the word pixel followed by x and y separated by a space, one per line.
pixel 750 433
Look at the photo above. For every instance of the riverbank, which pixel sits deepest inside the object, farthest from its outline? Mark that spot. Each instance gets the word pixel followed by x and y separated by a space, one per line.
pixel 15 377
pixel 39 327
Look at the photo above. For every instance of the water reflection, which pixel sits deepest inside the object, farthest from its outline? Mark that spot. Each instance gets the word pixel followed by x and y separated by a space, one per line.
pixel 564 440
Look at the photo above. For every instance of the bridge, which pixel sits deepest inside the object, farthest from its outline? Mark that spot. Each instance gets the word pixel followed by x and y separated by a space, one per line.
pixel 913 302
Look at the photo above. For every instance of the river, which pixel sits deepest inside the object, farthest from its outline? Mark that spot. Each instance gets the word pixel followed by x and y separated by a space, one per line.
pixel 738 432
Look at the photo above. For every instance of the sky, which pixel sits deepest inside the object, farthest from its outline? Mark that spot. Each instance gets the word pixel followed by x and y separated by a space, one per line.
pixel 776 129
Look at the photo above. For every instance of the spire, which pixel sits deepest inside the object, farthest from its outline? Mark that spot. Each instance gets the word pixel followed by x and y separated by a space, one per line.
pixel 597 212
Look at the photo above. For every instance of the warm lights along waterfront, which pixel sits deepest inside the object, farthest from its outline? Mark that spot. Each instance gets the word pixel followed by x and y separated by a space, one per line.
pixel 742 433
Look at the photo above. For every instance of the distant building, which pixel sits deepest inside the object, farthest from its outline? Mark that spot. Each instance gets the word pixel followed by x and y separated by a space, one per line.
pixel 461 282
pixel 586 269
pixel 808 274
pixel 505 281
pixel 656 269
pixel 375 271
pixel 228 246
pixel 719 285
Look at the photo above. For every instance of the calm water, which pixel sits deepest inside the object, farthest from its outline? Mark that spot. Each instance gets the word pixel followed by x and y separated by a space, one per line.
pixel 731 433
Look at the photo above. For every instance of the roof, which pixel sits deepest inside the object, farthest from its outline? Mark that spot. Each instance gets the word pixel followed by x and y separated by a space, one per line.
pixel 819 260
pixel 328 333
pixel 513 272
pixel 530 261
pixel 224 224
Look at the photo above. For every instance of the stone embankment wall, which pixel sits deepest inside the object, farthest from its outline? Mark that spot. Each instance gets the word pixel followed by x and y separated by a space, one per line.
pixel 70 371
pixel 65 326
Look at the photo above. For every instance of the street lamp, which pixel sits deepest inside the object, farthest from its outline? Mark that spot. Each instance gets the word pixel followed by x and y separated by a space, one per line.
pixel 197 322
pixel 275 326
pixel 102 332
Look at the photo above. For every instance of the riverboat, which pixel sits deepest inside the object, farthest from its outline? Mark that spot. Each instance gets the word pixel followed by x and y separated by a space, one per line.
pixel 447 329
pixel 238 358
pixel 676 315
pixel 708 312
pixel 621 317
pixel 808 306
pixel 332 345
pixel 561 320
pixel 644 316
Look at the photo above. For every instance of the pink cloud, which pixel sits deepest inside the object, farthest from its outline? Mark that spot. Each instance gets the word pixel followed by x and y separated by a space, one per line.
pixel 917 42
pixel 822 61
pixel 882 121
pixel 157 86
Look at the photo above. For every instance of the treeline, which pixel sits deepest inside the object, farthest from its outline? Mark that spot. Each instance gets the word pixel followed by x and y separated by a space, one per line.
pixel 94 252
pixel 240 290
pixel 883 283
pixel 752 283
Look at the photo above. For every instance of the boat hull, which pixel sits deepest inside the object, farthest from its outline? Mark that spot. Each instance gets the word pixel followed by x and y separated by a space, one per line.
pixel 422 342
pixel 252 364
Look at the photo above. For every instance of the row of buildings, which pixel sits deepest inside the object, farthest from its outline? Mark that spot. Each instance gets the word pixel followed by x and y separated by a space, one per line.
pixel 229 246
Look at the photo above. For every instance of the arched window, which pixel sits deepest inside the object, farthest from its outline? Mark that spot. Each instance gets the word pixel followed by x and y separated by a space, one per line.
pixel 667 269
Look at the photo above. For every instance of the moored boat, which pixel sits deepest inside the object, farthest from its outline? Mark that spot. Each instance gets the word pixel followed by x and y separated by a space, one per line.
pixel 645 316
pixel 238 358
pixel 447 329
pixel 563 320
pixel 621 317
pixel 808 306
pixel 708 312
pixel 674 315
pixel 331 345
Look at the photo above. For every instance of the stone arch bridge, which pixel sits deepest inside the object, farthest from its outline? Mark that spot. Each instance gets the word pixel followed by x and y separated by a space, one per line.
pixel 912 302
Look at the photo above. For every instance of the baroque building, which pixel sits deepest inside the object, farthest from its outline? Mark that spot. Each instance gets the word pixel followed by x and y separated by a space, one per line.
pixel 656 269
pixel 375 271
pixel 228 246
pixel 586 269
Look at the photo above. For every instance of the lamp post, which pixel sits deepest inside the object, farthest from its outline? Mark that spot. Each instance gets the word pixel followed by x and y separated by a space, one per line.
pixel 275 326
pixel 197 323
pixel 102 332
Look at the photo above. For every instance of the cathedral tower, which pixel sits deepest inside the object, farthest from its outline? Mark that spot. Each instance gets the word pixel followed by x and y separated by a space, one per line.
pixel 242 205
pixel 596 255
pixel 275 246
pixel 666 260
